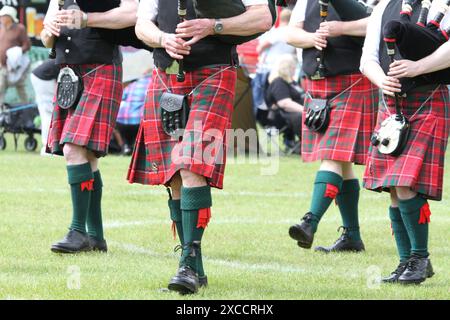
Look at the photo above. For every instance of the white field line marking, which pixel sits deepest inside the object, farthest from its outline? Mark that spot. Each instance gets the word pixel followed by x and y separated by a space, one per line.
pixel 115 224
pixel 226 263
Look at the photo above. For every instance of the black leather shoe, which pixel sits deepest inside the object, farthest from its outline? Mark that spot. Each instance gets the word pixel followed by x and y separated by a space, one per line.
pixel 73 242
pixel 343 244
pixel 98 245
pixel 203 281
pixel 418 269
pixel 185 282
pixel 393 277
pixel 303 232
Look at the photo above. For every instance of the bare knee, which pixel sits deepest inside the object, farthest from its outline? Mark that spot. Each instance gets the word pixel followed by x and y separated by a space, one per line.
pixel 191 179
pixel 93 160
pixel 175 186
pixel 333 166
pixel 405 193
pixel 394 198
pixel 74 154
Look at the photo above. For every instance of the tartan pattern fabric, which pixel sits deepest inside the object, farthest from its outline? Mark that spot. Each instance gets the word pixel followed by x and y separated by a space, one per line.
pixel 133 99
pixel 352 119
pixel 92 122
pixel 201 149
pixel 421 165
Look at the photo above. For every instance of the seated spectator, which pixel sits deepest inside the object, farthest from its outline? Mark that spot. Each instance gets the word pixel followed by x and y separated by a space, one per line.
pixel 14 42
pixel 284 98
pixel 272 46
pixel 130 113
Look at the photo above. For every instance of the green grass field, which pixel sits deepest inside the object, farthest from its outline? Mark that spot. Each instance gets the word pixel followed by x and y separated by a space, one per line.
pixel 249 254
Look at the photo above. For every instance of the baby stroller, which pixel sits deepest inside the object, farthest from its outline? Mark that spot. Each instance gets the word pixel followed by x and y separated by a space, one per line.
pixel 18 119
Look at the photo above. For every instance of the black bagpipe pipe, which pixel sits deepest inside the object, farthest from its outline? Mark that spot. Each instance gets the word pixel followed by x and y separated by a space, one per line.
pixel 123 37
pixel 52 53
pixel 217 9
pixel 182 12
pixel 415 41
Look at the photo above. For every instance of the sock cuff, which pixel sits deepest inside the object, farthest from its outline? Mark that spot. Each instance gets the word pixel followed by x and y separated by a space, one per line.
pixel 98 182
pixel 329 177
pixel 79 173
pixel 175 210
pixel 350 186
pixel 196 198
pixel 411 205
pixel 395 214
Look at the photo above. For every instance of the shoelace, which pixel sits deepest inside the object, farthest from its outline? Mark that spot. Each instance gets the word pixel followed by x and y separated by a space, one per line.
pixel 344 234
pixel 178 248
pixel 412 264
pixel 307 218
pixel 400 269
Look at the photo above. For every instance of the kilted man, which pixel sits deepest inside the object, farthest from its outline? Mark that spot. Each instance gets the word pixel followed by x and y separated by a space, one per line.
pixel 193 162
pixel 415 175
pixel 338 119
pixel 82 132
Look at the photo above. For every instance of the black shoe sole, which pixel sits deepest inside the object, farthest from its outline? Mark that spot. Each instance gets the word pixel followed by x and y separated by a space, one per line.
pixel 182 288
pixel 56 249
pixel 411 282
pixel 298 234
pixel 324 250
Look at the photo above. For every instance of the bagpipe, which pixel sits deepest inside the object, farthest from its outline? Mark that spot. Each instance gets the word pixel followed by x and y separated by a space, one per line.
pixel 218 9
pixel 52 53
pixel 122 37
pixel 415 41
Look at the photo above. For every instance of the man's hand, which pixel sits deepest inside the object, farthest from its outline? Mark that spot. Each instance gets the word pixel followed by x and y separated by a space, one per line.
pixel 175 47
pixel 404 69
pixel 320 40
pixel 390 86
pixel 330 29
pixel 51 27
pixel 72 19
pixel 196 29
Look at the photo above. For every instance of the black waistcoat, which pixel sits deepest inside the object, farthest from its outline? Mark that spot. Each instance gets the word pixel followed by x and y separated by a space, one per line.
pixel 342 54
pixel 83 46
pixel 208 51
pixel 392 12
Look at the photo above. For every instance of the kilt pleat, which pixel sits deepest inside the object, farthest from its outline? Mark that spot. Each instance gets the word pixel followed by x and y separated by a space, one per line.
pixel 157 157
pixel 352 119
pixel 421 165
pixel 92 122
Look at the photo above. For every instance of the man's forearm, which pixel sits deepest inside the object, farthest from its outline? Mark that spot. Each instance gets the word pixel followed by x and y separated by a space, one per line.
pixel 117 18
pixel 436 61
pixel 357 28
pixel 149 33
pixel 256 19
pixel 374 73
pixel 300 38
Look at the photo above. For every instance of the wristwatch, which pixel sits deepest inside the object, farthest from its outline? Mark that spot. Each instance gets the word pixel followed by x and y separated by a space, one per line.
pixel 218 26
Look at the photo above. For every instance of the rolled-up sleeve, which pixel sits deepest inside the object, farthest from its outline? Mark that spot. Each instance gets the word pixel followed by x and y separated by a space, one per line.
pixel 371 49
pixel 148 10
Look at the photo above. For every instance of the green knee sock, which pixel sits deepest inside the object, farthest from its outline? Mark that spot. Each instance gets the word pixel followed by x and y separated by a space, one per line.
pixel 176 217
pixel 415 214
pixel 80 178
pixel 400 234
pixel 94 218
pixel 326 188
pixel 348 200
pixel 195 205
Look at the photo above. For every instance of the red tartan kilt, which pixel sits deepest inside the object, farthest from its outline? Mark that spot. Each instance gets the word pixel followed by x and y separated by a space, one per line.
pixel 158 157
pixel 352 119
pixel 421 165
pixel 92 122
